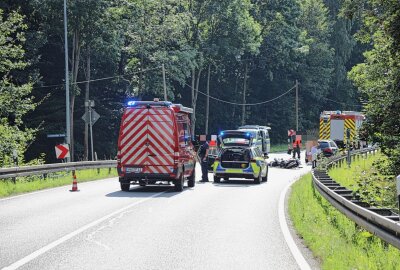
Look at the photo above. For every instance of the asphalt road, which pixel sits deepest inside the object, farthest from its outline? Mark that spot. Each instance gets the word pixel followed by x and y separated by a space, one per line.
pixel 231 225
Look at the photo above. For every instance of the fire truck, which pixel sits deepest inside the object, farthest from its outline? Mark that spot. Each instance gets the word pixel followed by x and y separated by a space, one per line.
pixel 333 125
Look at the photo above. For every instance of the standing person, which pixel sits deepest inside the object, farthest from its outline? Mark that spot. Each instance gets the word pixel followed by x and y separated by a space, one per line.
pixel 314 155
pixel 203 154
pixel 296 148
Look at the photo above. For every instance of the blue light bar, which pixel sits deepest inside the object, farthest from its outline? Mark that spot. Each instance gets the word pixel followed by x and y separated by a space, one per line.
pixel 221 133
pixel 131 103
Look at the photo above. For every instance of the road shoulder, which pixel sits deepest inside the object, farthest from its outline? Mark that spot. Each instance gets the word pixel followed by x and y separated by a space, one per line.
pixel 313 262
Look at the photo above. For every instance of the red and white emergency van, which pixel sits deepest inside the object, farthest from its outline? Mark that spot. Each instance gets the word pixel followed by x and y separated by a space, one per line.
pixel 155 145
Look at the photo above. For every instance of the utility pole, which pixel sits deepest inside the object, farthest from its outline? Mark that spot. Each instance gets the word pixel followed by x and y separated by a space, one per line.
pixel 91 126
pixel 244 95
pixel 208 97
pixel 297 105
pixel 68 119
pixel 165 84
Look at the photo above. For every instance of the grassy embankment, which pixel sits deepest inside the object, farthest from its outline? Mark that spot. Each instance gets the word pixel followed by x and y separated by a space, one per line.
pixel 368 179
pixel 29 184
pixel 332 237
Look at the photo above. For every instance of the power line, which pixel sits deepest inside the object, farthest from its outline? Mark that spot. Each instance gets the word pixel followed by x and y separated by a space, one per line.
pixel 245 104
pixel 342 103
pixel 99 79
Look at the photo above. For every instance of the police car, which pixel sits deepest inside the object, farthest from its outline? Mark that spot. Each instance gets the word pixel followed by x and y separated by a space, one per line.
pixel 239 158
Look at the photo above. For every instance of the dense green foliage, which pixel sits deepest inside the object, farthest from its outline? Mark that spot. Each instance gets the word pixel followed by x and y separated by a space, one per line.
pixel 242 51
pixel 15 90
pixel 378 77
pixel 332 237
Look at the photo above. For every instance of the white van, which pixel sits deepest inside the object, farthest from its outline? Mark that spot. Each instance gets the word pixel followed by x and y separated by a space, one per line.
pixel 262 139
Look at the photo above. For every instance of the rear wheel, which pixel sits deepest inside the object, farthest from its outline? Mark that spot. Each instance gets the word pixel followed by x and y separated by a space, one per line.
pixel 265 178
pixel 125 186
pixel 217 179
pixel 192 178
pixel 180 182
pixel 257 180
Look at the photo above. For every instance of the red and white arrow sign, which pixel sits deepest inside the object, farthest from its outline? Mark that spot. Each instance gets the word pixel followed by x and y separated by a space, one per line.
pixel 62 151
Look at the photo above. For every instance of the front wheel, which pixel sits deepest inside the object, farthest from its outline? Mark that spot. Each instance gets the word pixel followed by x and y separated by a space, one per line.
pixel 192 178
pixel 265 178
pixel 179 183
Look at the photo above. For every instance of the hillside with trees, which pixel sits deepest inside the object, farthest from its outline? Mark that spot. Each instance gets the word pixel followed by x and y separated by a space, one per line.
pixel 218 55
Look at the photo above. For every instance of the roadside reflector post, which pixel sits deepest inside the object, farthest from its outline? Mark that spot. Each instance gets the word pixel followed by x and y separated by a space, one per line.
pixel 398 191
pixel 15 160
pixel 348 147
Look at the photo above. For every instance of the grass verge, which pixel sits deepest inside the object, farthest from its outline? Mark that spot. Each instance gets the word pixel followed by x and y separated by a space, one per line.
pixel 332 237
pixel 33 183
pixel 345 175
pixel 275 148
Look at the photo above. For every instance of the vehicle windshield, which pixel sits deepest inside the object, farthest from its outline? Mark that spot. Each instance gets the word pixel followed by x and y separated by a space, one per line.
pixel 323 144
pixel 250 132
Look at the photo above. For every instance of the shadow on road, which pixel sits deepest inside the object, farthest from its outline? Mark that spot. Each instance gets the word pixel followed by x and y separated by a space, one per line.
pixel 235 183
pixel 147 191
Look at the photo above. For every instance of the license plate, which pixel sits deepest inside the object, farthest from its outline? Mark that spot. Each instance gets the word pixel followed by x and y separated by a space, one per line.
pixel 133 170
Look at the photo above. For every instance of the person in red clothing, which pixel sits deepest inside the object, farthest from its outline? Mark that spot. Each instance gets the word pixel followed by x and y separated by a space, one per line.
pixel 296 148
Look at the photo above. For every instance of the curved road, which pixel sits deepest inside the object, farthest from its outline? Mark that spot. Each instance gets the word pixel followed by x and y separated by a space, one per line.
pixel 231 225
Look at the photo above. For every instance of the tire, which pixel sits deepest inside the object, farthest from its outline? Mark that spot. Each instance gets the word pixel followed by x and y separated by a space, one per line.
pixel 257 180
pixel 192 179
pixel 125 186
pixel 217 179
pixel 265 178
pixel 179 183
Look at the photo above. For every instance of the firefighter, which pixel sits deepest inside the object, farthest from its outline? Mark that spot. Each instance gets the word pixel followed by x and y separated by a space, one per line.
pixel 203 154
pixel 296 148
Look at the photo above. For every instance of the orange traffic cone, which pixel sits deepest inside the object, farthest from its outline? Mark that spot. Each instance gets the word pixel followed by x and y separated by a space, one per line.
pixel 74 183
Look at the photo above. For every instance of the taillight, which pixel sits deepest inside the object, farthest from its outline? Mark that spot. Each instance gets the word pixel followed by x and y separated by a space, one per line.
pixel 176 157
pixel 328 150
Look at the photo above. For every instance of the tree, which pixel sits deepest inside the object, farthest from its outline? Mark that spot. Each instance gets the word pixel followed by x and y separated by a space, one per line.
pixel 378 78
pixel 316 59
pixel 15 93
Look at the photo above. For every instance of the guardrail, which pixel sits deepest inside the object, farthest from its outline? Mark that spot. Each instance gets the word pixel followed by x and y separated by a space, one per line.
pixel 382 222
pixel 55 167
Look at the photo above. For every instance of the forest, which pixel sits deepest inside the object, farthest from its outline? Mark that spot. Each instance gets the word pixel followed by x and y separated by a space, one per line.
pixel 232 61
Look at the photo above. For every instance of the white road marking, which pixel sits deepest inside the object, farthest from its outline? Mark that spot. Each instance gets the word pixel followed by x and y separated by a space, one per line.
pixel 63 239
pixel 303 264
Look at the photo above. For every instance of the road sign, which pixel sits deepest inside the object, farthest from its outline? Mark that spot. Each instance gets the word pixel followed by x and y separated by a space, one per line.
pixel 62 151
pixel 95 117
pixel 55 135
